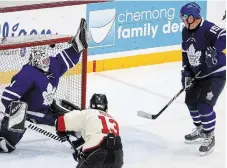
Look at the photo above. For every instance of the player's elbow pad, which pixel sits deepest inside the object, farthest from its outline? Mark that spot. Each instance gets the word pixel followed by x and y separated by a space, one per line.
pixel 60 124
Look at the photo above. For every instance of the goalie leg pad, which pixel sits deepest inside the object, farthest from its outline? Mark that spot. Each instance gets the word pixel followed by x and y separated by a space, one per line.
pixel 7 137
pixel 17 116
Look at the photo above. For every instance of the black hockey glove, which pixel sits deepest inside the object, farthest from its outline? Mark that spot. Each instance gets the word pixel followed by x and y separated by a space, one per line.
pixel 78 142
pixel 186 80
pixel 78 155
pixel 63 134
pixel 211 56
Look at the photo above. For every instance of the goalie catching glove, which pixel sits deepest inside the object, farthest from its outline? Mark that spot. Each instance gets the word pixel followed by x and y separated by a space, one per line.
pixel 60 107
pixel 79 41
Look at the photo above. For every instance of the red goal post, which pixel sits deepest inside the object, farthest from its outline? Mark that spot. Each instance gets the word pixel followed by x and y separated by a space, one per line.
pixel 15 51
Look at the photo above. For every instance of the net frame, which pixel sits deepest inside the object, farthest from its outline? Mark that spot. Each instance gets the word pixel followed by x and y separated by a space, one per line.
pixel 42 40
pixel 33 6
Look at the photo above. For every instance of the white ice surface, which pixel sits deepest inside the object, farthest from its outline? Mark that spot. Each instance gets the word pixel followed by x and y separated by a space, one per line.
pixel 147 143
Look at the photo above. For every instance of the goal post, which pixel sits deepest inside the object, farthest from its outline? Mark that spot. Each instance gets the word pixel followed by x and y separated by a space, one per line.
pixel 15 52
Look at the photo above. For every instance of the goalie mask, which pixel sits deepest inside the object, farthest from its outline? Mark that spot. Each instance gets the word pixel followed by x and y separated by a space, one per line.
pixel 99 102
pixel 40 60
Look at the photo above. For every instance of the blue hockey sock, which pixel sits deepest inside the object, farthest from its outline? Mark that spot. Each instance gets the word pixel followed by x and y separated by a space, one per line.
pixel 196 117
pixel 207 116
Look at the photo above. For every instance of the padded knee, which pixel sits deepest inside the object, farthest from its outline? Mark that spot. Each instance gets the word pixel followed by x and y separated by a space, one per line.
pixel 191 106
pixel 204 108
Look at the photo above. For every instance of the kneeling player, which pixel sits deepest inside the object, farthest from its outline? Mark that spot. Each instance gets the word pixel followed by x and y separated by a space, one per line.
pixel 102 147
pixel 35 85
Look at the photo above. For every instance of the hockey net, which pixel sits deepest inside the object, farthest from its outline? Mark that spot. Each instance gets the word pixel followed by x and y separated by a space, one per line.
pixel 15 51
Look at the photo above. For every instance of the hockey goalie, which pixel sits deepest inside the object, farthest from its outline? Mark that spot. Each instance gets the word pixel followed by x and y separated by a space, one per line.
pixel 30 96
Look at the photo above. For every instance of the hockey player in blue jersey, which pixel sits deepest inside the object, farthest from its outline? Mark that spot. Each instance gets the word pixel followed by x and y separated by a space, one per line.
pixel 203 43
pixel 35 85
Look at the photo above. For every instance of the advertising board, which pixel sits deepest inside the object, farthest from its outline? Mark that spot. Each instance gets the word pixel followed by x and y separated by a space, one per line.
pixel 124 25
pixel 61 20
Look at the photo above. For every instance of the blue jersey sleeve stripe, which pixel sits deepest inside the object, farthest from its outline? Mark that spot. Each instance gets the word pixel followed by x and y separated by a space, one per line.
pixel 37 114
pixel 6 98
pixel 69 58
pixel 221 33
pixel 12 93
pixel 64 59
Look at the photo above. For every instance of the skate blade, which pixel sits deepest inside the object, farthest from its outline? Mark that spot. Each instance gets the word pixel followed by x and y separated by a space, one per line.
pixel 198 141
pixel 206 153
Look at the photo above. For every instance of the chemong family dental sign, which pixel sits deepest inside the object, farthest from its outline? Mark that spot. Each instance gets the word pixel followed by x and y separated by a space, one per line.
pixel 124 26
pixel 147 28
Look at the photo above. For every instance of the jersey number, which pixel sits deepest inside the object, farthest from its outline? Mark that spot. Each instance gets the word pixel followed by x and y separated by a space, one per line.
pixel 214 29
pixel 106 130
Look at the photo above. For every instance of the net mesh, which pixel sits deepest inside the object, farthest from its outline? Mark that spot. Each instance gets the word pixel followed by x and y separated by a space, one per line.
pixel 14 53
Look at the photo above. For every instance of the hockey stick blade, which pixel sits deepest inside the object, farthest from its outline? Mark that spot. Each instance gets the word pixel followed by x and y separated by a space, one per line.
pixel 144 114
pixel 150 116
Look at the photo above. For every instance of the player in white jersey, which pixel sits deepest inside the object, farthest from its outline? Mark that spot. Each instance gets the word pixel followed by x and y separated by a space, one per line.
pixel 100 136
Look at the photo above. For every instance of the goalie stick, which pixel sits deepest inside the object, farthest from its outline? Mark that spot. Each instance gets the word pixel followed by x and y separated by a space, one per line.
pixel 144 114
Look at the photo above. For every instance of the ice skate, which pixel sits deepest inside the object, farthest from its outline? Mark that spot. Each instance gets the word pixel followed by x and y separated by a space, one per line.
pixel 208 143
pixel 194 137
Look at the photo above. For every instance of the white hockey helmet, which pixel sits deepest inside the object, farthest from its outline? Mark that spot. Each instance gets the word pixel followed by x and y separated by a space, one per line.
pixel 39 59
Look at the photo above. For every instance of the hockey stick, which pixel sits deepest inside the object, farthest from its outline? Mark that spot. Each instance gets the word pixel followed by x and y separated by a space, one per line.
pixel 42 131
pixel 49 134
pixel 144 114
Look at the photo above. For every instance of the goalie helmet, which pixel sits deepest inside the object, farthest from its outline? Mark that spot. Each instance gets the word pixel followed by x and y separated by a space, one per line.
pixel 39 59
pixel 99 102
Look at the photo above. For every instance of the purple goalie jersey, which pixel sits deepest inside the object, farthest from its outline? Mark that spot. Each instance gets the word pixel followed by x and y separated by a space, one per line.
pixel 37 88
pixel 194 45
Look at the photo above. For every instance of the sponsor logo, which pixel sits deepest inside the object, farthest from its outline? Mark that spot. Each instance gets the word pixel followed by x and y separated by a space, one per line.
pixel 209 96
pixel 102 28
pixel 12 30
pixel 15 109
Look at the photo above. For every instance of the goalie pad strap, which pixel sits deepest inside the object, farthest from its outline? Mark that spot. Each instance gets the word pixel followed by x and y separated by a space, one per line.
pixel 5 146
